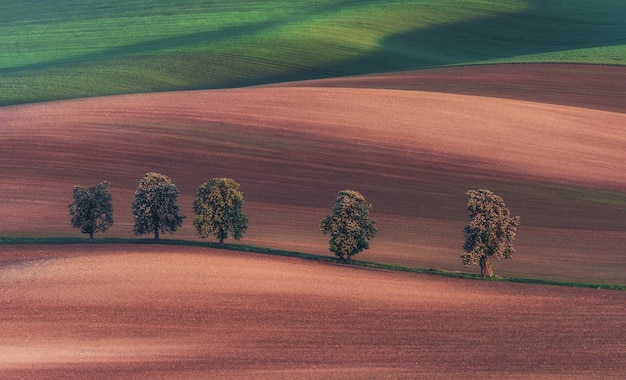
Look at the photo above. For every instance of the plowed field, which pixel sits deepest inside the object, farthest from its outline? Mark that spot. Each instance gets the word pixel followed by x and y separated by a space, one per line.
pixel 554 150
pixel 413 155
pixel 170 312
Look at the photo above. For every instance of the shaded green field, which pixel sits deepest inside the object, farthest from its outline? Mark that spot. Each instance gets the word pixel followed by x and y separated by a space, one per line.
pixel 69 49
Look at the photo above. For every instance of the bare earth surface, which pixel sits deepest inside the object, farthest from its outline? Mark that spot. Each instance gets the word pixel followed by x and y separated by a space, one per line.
pixel 412 154
pixel 86 311
pixel 587 86
pixel 552 147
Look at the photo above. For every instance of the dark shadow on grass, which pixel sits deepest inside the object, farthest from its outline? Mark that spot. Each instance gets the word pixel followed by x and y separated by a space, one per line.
pixel 539 29
pixel 499 36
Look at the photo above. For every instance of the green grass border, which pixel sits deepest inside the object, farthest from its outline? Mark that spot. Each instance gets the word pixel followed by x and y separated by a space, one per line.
pixel 301 255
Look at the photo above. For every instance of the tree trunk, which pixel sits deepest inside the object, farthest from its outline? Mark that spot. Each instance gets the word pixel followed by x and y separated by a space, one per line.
pixel 221 243
pixel 156 233
pixel 91 235
pixel 483 267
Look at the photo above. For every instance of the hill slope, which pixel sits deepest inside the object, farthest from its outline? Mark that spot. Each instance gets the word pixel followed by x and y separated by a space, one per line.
pixel 412 154
pixel 71 49
pixel 587 86
pixel 171 312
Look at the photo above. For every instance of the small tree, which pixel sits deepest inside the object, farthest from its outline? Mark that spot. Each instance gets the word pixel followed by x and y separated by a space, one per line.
pixel 349 225
pixel 154 206
pixel 218 211
pixel 490 232
pixel 92 210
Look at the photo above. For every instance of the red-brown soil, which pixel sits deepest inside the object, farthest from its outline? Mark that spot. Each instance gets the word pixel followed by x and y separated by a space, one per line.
pixel 412 154
pixel 587 86
pixel 97 311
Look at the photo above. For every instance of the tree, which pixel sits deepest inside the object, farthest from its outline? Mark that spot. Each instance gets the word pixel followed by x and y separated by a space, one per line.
pixel 154 206
pixel 349 225
pixel 218 211
pixel 490 232
pixel 92 210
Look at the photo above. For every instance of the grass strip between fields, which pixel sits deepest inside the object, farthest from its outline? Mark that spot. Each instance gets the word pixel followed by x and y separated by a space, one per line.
pixel 301 255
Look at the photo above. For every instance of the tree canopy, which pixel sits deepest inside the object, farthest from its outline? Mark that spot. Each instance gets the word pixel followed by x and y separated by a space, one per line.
pixel 349 225
pixel 92 209
pixel 490 232
pixel 154 206
pixel 218 208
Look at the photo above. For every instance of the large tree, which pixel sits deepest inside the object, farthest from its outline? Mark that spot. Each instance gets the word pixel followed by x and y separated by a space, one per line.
pixel 490 232
pixel 350 226
pixel 218 211
pixel 92 209
pixel 154 206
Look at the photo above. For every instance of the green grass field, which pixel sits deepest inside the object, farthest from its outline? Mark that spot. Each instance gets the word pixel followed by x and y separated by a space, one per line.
pixel 69 49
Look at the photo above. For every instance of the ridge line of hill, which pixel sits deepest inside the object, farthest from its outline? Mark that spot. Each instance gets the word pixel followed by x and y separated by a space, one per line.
pixel 4 241
pixel 592 86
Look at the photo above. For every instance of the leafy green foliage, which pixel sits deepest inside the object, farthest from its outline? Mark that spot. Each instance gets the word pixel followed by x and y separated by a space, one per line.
pixel 218 208
pixel 92 209
pixel 490 232
pixel 349 225
pixel 71 48
pixel 154 206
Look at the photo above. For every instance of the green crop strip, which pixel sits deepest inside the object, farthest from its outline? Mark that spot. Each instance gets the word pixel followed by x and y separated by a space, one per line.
pixel 70 48
pixel 305 256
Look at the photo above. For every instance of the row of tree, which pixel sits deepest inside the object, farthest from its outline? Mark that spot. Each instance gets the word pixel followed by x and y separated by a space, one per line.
pixel 218 208
pixel 218 212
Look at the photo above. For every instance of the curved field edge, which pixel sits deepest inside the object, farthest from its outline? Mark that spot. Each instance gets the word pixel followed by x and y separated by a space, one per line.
pixel 598 87
pixel 7 241
pixel 83 49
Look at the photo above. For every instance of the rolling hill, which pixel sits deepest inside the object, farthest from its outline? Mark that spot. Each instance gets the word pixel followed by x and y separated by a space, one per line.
pixel 168 312
pixel 71 49
pixel 412 154
pixel 293 145
pixel 409 102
